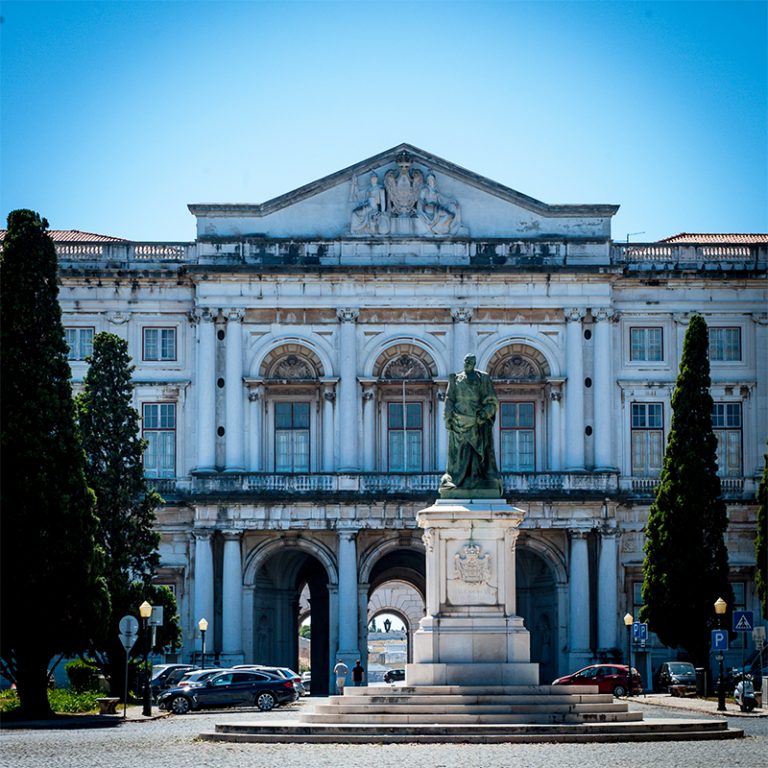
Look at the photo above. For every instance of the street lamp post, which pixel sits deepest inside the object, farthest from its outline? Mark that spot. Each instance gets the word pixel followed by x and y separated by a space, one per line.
pixel 203 626
pixel 720 608
pixel 628 621
pixel 145 611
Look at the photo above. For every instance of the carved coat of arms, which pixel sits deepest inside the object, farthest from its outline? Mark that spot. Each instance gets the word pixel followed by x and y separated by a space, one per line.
pixel 403 186
pixel 473 567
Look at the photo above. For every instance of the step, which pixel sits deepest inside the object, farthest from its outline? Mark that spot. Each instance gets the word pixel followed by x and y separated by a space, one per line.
pixel 448 700
pixel 501 708
pixel 636 731
pixel 436 718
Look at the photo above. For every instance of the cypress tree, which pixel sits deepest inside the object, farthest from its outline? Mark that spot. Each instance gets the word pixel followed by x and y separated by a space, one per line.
pixel 53 592
pixel 761 540
pixel 125 505
pixel 686 562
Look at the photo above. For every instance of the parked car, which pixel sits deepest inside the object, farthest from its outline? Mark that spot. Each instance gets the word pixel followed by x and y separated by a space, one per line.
pixel 674 673
pixel 167 676
pixel 394 675
pixel 306 681
pixel 232 688
pixel 198 677
pixel 284 672
pixel 609 678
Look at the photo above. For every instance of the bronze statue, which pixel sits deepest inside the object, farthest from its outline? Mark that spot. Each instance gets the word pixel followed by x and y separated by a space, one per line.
pixel 470 410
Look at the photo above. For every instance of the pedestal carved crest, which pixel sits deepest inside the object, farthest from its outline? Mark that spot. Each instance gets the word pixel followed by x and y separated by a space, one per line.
pixel 472 566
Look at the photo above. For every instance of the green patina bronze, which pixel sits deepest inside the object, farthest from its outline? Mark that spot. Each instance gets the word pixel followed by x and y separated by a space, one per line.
pixel 470 410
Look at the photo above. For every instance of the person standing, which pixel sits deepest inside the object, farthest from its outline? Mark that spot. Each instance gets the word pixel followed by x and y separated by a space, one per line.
pixel 340 670
pixel 358 673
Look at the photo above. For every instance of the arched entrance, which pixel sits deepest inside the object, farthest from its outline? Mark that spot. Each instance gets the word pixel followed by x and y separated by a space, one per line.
pixel 537 604
pixel 277 576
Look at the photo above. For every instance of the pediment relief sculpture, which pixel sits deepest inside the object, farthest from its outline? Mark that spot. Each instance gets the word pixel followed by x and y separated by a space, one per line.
pixel 292 367
pixel 517 367
pixel 405 367
pixel 409 203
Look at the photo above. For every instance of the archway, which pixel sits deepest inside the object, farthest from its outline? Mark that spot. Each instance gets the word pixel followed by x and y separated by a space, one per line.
pixel 278 581
pixel 537 604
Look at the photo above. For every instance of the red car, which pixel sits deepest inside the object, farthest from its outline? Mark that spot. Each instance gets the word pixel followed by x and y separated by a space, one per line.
pixel 609 678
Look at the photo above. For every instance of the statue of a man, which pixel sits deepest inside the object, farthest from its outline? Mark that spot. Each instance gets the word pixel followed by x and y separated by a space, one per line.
pixel 470 410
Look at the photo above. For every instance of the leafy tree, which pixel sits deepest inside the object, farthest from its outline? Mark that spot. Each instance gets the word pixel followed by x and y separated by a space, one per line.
pixel 125 505
pixel 761 540
pixel 53 591
pixel 686 562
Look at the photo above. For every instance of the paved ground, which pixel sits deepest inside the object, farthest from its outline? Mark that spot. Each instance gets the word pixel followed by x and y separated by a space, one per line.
pixel 170 742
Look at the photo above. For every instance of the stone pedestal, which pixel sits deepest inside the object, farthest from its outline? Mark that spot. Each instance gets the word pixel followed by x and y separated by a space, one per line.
pixel 471 634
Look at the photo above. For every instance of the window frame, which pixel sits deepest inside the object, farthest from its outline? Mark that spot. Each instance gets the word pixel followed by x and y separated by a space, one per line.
pixel 160 430
pixel 420 430
pixel 724 431
pixel 78 329
pixel 503 429
pixel 293 431
pixel 160 329
pixel 650 470
pixel 723 329
pixel 646 344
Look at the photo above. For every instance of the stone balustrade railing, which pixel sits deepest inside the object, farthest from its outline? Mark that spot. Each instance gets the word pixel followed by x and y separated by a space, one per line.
pixel 375 483
pixel 648 255
pixel 124 253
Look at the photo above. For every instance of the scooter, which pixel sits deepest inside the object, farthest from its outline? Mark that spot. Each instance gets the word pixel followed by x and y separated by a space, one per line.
pixel 744 695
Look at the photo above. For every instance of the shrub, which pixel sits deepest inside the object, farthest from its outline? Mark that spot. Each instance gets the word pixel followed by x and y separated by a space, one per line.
pixel 83 675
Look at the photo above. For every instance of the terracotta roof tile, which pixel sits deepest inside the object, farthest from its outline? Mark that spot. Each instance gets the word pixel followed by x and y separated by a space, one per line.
pixel 688 238
pixel 76 236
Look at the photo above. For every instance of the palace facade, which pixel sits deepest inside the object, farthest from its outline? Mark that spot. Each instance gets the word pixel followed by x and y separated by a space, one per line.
pixel 291 368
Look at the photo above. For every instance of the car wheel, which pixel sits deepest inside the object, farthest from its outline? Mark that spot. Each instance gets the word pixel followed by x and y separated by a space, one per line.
pixel 180 705
pixel 266 701
pixel 619 690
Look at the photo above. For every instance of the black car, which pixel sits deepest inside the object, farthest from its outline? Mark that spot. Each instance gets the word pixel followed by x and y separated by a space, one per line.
pixel 394 675
pixel 166 676
pixel 233 688
pixel 675 673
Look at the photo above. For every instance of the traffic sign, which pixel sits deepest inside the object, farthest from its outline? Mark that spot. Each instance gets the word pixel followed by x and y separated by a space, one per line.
pixel 639 632
pixel 129 625
pixel 743 621
pixel 719 640
pixel 128 640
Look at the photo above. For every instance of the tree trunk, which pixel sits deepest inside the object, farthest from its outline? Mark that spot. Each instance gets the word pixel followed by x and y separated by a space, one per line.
pixel 32 686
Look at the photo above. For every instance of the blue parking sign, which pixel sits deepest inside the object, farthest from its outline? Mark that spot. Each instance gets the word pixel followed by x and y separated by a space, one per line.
pixel 719 640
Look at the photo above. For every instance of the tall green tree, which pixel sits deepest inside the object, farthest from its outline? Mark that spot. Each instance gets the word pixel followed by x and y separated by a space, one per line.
pixel 761 540
pixel 53 594
pixel 125 505
pixel 686 562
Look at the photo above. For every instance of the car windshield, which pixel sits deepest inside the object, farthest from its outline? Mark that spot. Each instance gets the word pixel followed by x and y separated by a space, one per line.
pixel 682 669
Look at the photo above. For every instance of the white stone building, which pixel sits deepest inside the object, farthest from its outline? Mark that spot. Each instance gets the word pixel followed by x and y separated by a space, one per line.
pixel 291 365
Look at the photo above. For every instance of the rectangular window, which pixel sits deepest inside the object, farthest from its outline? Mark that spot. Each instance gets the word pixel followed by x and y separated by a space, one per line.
pixel 726 423
pixel 646 345
pixel 404 437
pixel 159 344
pixel 80 342
pixel 292 437
pixel 725 344
pixel 647 438
pixel 517 437
pixel 159 430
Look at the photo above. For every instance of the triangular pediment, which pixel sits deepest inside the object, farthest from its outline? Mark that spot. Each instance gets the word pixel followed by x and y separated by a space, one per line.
pixel 403 192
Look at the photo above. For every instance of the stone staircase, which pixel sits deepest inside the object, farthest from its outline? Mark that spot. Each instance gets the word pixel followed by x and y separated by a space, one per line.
pixel 471 714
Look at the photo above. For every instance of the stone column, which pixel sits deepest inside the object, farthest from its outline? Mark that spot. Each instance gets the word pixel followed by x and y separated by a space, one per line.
pixel 256 411
pixel 574 391
pixel 760 394
pixel 461 339
pixel 578 598
pixel 203 589
pixel 603 388
pixel 329 395
pixel 231 614
pixel 234 392
pixel 555 436
pixel 608 585
pixel 349 412
pixel 369 427
pixel 206 391
pixel 348 609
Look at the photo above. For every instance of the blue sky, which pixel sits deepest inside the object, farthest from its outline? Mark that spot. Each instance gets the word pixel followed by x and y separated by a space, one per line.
pixel 115 115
